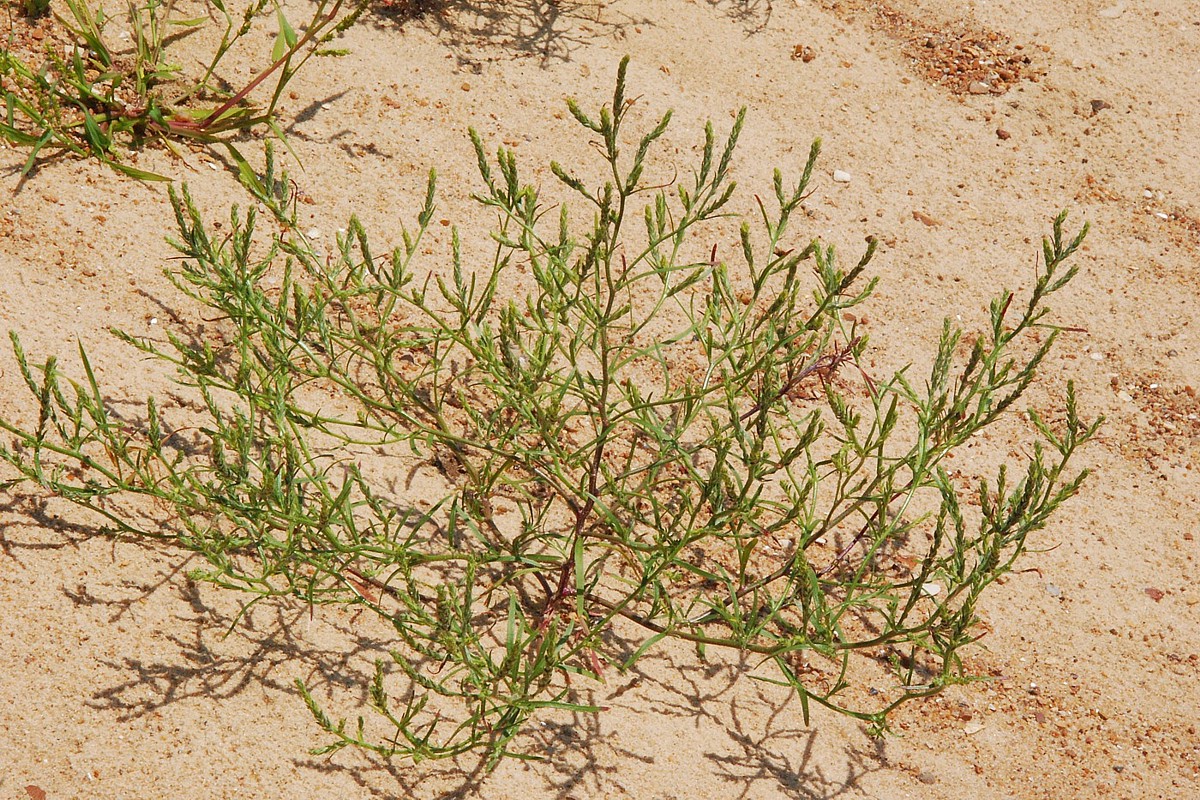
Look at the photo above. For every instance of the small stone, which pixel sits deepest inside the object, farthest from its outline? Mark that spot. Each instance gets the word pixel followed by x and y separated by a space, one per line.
pixel 1112 12
pixel 841 176
pixel 466 87
pixel 1053 590
pixel 927 778
pixel 1002 134
pixel 1099 105
pixel 1154 594
pixel 803 52
pixel 1096 356
pixel 1125 396
pixel 1146 193
pixel 978 87
pixel 931 589
pixel 973 728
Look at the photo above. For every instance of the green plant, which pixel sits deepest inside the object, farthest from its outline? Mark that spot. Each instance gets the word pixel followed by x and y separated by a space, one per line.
pixel 96 98
pixel 35 9
pixel 646 444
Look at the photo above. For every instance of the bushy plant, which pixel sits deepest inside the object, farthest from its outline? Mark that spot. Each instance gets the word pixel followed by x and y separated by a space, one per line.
pixel 97 98
pixel 637 441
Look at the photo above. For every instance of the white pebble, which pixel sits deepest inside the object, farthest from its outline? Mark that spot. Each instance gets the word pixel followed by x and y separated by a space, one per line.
pixel 841 176
pixel 1125 396
pixel 315 233
pixel 1097 356
pixel 1149 195
pixel 1162 215
pixel 931 589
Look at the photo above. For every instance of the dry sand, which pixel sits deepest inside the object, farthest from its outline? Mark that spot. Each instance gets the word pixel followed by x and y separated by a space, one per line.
pixel 115 680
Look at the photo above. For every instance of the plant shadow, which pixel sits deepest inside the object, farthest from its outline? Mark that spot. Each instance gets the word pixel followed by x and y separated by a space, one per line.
pixel 752 15
pixel 578 755
pixel 550 30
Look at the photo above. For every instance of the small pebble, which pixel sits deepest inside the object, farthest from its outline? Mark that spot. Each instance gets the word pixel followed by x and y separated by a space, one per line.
pixel 804 53
pixel 315 233
pixel 1099 105
pixel 931 589
pixel 1053 590
pixel 1002 134
pixel 927 778
pixel 978 87
pixel 1149 195
pixel 973 728
pixel 1125 396
pixel 1096 356
pixel 841 176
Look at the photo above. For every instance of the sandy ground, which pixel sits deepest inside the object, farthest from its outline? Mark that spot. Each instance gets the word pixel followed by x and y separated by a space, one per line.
pixel 115 679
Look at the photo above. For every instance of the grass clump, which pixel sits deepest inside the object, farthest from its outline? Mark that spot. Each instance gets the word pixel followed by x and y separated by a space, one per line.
pixel 104 94
pixel 640 443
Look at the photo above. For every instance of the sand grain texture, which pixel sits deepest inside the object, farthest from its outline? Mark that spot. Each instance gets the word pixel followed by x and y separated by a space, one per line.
pixel 115 680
